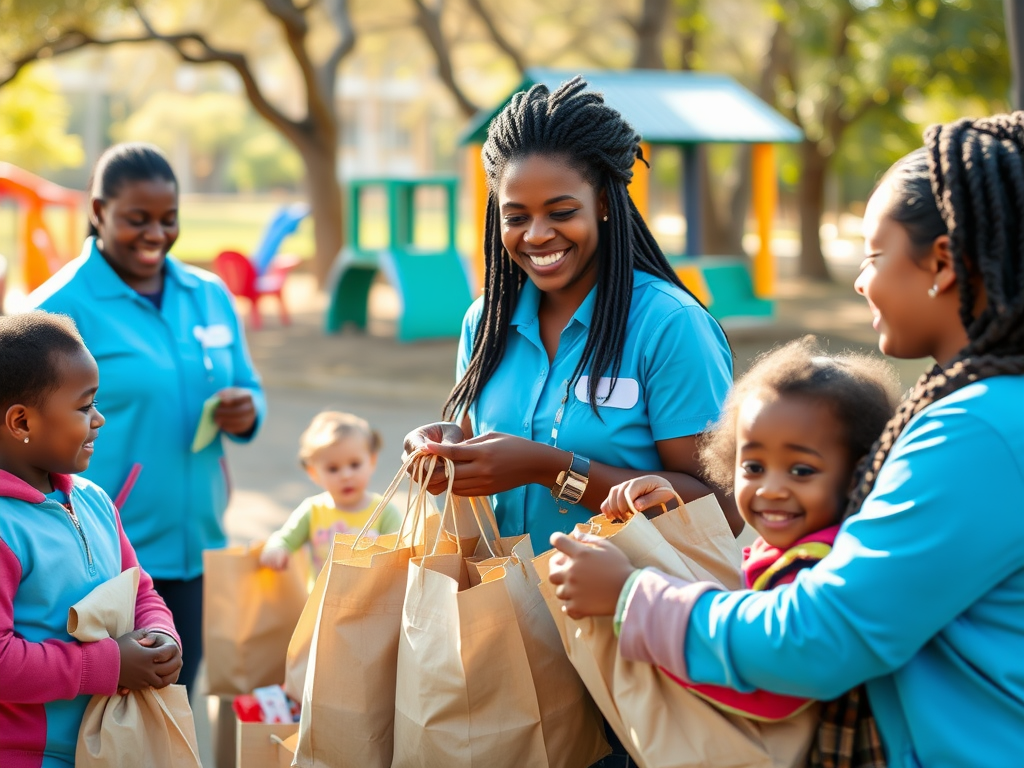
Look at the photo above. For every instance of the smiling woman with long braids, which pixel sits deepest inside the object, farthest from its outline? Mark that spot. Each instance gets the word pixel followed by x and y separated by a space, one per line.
pixel 166 338
pixel 922 596
pixel 586 362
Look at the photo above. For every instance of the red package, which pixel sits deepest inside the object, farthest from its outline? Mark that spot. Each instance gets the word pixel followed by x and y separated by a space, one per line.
pixel 247 709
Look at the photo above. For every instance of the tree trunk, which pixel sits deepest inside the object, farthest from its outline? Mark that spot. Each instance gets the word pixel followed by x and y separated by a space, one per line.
pixel 725 211
pixel 649 28
pixel 811 195
pixel 325 201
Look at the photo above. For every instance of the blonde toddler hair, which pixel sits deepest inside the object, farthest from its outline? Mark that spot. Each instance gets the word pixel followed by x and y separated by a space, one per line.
pixel 328 427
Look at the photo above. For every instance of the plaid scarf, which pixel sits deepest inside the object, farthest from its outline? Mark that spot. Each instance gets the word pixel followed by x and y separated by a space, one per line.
pixel 847 735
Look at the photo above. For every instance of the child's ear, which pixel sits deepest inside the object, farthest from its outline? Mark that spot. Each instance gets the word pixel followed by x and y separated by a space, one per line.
pixel 313 474
pixel 16 421
pixel 373 462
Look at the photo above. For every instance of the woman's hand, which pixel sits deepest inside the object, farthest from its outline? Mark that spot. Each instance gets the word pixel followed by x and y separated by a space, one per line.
pixel 236 413
pixel 439 432
pixel 647 491
pixel 588 575
pixel 497 462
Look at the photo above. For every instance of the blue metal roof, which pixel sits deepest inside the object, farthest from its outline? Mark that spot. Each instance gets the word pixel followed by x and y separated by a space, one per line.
pixel 668 107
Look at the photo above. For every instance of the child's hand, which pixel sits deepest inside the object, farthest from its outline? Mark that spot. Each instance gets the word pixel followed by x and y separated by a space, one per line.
pixel 588 574
pixel 275 558
pixel 646 492
pixel 148 660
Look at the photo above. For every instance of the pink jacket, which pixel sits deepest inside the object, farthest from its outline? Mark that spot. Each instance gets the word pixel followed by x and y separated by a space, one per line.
pixel 47 564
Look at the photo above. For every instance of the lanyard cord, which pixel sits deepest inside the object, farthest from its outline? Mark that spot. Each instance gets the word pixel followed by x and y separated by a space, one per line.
pixel 558 415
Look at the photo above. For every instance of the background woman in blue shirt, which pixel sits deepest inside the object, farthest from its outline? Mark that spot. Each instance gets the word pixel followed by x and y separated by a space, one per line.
pixel 585 353
pixel 166 338
pixel 922 596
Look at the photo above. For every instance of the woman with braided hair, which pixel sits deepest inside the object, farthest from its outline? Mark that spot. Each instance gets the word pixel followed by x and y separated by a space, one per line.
pixel 922 596
pixel 586 362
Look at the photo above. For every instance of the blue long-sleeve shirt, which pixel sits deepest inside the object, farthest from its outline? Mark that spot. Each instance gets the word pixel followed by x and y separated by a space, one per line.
pixel 922 596
pixel 157 367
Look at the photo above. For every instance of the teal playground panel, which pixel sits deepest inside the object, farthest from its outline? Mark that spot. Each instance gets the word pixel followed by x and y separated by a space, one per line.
pixel 431 283
pixel 726 288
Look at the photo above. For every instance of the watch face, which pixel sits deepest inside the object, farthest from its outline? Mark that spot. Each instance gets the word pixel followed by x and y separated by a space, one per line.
pixel 573 488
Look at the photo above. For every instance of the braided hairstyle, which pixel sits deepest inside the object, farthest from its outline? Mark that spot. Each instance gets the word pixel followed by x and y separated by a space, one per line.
pixel 575 126
pixel 967 182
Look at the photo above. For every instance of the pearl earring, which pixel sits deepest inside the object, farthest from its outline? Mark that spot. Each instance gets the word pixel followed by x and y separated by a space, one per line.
pixel 933 291
pixel 26 439
pixel 605 219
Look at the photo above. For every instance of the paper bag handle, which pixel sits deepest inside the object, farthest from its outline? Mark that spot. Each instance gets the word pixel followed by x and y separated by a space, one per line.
pixel 664 507
pixel 389 494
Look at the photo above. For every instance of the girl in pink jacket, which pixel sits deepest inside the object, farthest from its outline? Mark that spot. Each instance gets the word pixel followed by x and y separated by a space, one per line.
pixel 60 537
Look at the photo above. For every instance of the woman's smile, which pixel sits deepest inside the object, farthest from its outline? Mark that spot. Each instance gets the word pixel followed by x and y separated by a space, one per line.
pixel 546 262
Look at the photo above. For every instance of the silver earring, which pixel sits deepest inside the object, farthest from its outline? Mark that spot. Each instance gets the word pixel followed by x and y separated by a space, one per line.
pixel 26 439
pixel 933 291
pixel 605 219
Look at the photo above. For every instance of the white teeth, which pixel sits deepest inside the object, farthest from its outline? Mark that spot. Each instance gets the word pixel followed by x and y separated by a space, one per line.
pixel 547 261
pixel 773 518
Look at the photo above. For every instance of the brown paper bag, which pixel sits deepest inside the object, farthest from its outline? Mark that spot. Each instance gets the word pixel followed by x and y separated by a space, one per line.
pixel 266 745
pixel 117 730
pixel 699 532
pixel 249 614
pixel 297 656
pixel 348 704
pixel 482 677
pixel 661 723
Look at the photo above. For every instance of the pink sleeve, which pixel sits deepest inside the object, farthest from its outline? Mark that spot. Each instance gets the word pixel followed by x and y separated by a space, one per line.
pixel 36 673
pixel 655 618
pixel 150 609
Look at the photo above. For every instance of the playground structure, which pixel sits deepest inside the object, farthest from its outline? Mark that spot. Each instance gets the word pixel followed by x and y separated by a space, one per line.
pixel 284 223
pixel 431 282
pixel 38 254
pixel 687 110
pixel 265 271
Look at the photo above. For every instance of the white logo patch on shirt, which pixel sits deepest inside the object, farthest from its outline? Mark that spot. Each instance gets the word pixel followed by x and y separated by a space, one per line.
pixel 213 336
pixel 625 395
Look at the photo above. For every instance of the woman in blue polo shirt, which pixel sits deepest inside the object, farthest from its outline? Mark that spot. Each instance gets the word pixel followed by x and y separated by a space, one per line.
pixel 586 362
pixel 922 598
pixel 166 338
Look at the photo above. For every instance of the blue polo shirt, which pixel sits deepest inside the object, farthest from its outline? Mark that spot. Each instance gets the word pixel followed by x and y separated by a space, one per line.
pixel 676 370
pixel 157 366
pixel 922 595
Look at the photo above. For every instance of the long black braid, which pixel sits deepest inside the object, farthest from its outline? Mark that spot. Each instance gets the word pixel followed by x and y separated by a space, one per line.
pixel 576 126
pixel 967 182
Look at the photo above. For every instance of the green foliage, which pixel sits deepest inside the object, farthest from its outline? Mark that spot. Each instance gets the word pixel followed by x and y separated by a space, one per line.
pixel 920 63
pixel 33 124
pixel 31 21
pixel 224 140
pixel 263 160
pixel 852 59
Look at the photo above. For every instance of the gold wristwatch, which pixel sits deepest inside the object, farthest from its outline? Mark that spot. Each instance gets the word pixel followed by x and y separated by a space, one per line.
pixel 572 482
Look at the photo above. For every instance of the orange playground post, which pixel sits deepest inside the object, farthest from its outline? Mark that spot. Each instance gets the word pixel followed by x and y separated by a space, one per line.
pixel 37 251
pixel 765 196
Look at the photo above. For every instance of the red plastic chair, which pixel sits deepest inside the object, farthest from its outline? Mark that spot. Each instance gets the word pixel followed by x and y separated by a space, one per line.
pixel 240 276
